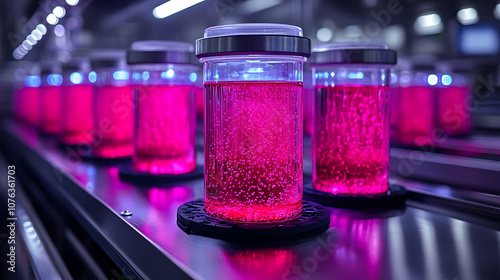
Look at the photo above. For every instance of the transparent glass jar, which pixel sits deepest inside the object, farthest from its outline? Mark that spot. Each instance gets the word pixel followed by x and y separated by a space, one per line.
pixel 351 122
pixel 453 94
pixel 253 76
pixel 27 99
pixel 164 79
pixel 77 103
pixel 416 105
pixel 113 105
pixel 51 112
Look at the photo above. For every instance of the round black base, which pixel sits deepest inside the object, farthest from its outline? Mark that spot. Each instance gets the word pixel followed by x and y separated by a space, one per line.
pixel 144 178
pixel 394 197
pixel 192 219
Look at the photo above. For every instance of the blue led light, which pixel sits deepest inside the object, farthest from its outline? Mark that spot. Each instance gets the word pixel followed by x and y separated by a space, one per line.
pixel 193 77
pixel 332 74
pixel 357 75
pixel 120 75
pixel 170 73
pixel 54 79
pixel 432 80
pixel 92 77
pixel 32 81
pixel 446 80
pixel 136 76
pixel 145 75
pixel 76 78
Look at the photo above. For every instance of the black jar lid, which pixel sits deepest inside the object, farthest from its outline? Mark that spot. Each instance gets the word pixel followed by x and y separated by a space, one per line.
pixel 107 58
pixel 353 53
pixel 253 38
pixel 152 52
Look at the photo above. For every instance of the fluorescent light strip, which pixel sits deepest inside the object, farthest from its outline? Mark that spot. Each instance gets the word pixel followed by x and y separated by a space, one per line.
pixel 173 6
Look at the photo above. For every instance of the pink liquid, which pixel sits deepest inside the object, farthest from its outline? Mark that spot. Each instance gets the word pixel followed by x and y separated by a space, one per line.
pixel 78 119
pixel 51 111
pixel 416 116
pixel 453 110
pixel 113 122
pixel 351 140
pixel 165 130
pixel 253 150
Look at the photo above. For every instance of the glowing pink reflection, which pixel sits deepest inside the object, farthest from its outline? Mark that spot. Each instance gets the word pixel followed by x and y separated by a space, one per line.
pixel 253 150
pixel 361 250
pixel 261 264
pixel 164 141
pixel 351 140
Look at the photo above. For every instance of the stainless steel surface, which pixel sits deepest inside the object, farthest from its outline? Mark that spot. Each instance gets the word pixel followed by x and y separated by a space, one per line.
pixel 45 262
pixel 478 174
pixel 474 144
pixel 409 244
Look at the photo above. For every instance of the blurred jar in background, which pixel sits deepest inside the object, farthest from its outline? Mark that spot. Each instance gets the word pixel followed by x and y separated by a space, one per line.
pixel 31 99
pixel 113 105
pixel 415 104
pixel 453 93
pixel 77 103
pixel 51 116
pixel 308 102
pixel 164 78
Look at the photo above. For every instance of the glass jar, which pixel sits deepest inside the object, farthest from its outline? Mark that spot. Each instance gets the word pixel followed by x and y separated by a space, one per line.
pixel 253 76
pixel 113 105
pixel 416 105
pixel 164 79
pixel 51 113
pixel 351 121
pixel 453 94
pixel 77 103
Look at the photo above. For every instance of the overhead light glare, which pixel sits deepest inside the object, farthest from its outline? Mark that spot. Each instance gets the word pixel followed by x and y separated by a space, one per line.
pixel 428 24
pixel 173 6
pixel 52 19
pixel 467 16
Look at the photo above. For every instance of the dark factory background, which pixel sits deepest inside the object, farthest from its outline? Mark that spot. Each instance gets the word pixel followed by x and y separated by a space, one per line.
pixel 84 213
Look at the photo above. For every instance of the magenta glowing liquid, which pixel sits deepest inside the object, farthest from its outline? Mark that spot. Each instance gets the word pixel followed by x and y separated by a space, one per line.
pixel 114 122
pixel 78 118
pixel 351 140
pixel 416 115
pixel 32 95
pixel 51 110
pixel 253 150
pixel 453 111
pixel 165 129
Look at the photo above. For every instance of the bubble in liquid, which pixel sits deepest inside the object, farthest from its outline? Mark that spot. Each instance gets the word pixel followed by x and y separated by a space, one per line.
pixel 351 140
